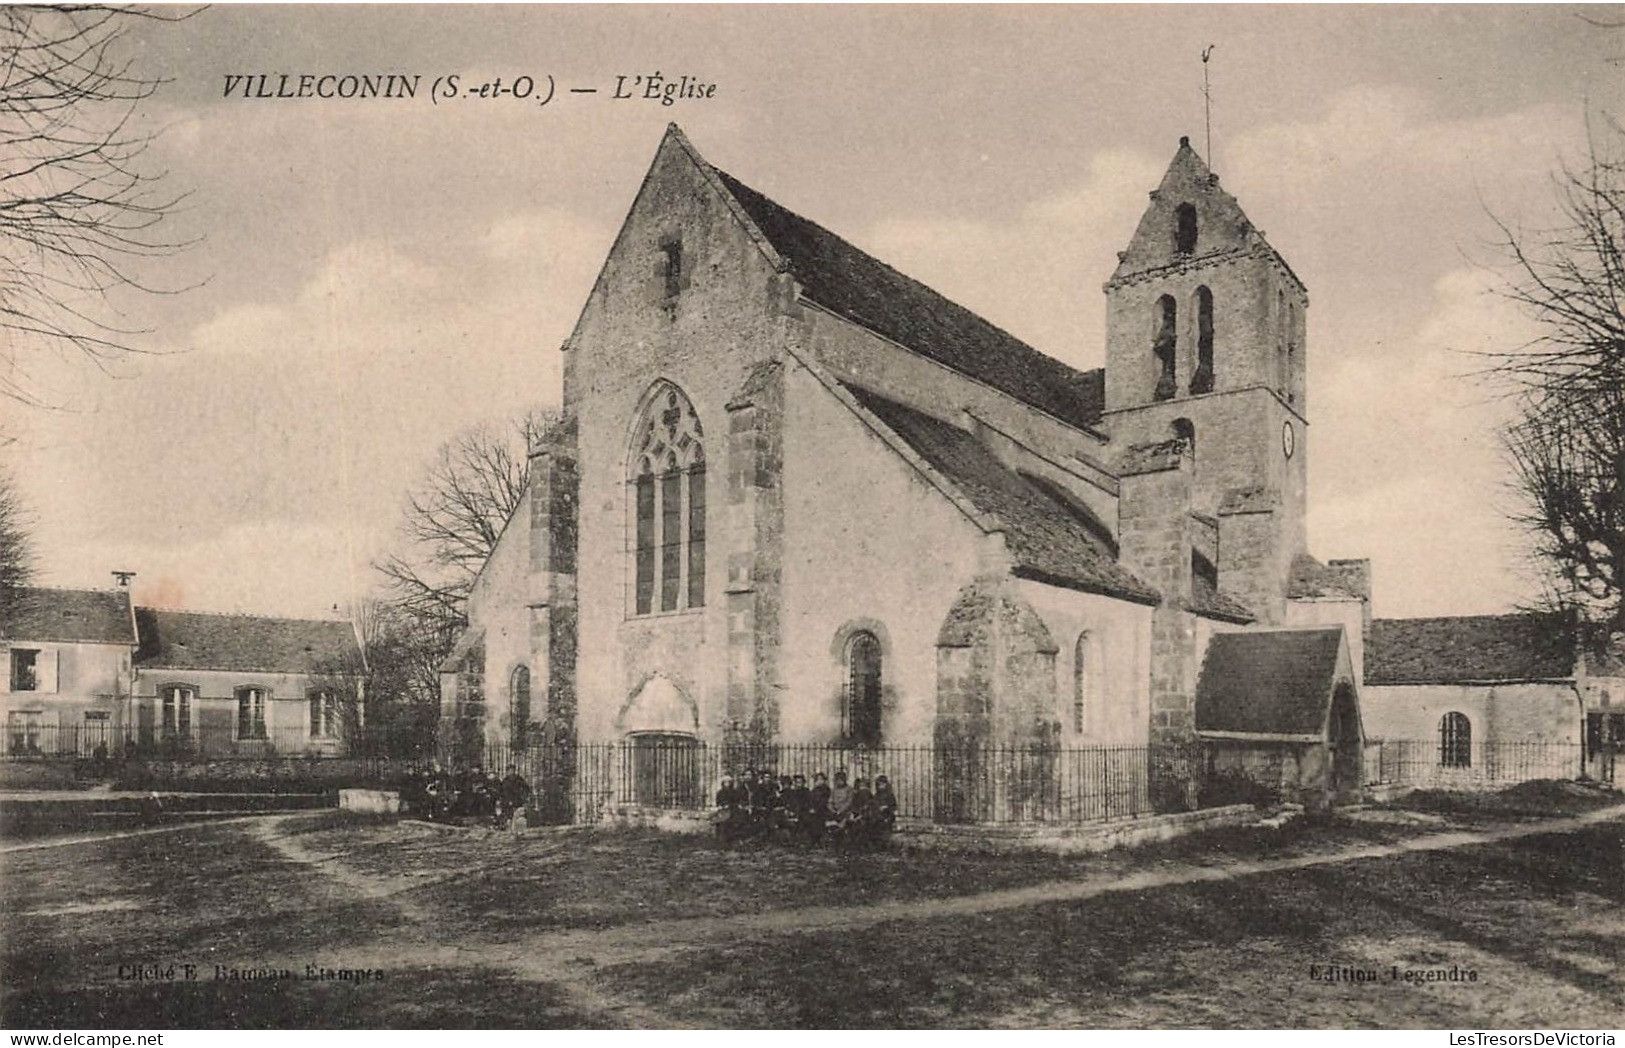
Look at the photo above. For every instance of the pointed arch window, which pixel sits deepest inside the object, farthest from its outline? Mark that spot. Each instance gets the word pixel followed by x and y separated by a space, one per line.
pixel 1162 346
pixel 668 498
pixel 862 708
pixel 1080 683
pixel 1202 377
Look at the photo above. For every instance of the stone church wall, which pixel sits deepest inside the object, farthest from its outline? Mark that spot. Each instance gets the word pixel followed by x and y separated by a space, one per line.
pixel 1116 648
pixel 729 313
pixel 869 544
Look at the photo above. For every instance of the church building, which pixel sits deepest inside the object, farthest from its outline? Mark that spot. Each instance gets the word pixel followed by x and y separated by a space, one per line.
pixel 799 497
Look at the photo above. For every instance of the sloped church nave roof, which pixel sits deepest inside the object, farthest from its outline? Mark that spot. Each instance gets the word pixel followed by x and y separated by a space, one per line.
pixel 854 284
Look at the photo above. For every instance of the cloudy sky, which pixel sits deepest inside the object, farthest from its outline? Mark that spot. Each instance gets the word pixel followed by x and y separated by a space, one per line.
pixel 375 275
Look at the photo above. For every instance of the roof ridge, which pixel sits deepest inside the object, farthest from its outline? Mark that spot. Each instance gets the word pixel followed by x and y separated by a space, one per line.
pixel 241 615
pixel 735 180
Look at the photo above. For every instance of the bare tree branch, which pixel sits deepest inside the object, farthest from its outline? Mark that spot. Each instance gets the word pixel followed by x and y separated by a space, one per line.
pixel 1567 447
pixel 79 210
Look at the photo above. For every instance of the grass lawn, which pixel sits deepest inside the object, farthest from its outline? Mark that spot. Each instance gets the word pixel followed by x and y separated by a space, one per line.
pixel 588 927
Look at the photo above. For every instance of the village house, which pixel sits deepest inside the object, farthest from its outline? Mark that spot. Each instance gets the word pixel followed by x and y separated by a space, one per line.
pixel 86 668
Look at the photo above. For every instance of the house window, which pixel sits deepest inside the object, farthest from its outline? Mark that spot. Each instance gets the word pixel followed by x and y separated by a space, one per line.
pixel 1455 741
pixel 251 713
pixel 519 706
pixel 668 482
pixel 861 710
pixel 1162 347
pixel 324 713
pixel 177 710
pixel 1185 229
pixel 1202 377
pixel 22 731
pixel 1080 683
pixel 24 669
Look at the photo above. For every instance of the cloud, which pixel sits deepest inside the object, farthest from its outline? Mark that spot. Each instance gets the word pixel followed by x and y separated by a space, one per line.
pixel 1039 274
pixel 308 414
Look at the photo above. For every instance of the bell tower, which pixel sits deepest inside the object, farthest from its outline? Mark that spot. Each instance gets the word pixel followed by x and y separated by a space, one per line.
pixel 1205 339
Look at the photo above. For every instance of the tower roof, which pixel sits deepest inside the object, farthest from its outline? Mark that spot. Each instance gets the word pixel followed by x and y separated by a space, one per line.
pixel 1219 227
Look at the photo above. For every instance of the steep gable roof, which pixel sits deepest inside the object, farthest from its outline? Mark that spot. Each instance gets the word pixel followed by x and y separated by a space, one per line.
pixel 39 613
pixel 1053 540
pixel 1525 646
pixel 1268 682
pixel 1224 230
pixel 854 284
pixel 194 640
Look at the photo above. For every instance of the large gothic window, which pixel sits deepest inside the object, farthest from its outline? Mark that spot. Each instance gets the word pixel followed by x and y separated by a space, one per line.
pixel 861 715
pixel 668 498
pixel 1162 347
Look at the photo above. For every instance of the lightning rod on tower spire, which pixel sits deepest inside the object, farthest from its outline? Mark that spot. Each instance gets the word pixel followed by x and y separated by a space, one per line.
pixel 1207 104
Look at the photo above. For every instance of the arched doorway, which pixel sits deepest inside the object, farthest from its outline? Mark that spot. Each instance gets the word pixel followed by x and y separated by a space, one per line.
pixel 1347 745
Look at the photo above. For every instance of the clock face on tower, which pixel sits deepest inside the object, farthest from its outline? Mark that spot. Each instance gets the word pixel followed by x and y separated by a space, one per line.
pixel 1289 439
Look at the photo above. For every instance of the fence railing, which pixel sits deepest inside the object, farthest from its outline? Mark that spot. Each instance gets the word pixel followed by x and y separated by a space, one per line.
pixel 24 739
pixel 958 784
pixel 1428 762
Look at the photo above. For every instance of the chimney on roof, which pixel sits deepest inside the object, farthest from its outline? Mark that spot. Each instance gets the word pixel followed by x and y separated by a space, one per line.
pixel 122 578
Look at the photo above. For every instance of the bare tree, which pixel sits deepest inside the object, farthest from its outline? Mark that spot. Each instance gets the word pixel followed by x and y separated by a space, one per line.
pixel 451 523
pixel 1568 445
pixel 452 520
pixel 79 212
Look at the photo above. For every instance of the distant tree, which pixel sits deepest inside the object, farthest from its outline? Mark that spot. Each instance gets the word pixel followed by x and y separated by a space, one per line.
pixel 1567 445
pixel 16 550
pixel 450 523
pixel 79 210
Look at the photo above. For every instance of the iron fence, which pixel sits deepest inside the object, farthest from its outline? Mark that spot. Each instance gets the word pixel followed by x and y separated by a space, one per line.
pixel 981 784
pixel 27 738
pixel 1432 763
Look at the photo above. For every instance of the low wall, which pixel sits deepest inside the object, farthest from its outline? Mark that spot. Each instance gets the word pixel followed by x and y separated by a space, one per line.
pixel 266 775
pixel 1066 840
pixel 1075 840
pixel 375 802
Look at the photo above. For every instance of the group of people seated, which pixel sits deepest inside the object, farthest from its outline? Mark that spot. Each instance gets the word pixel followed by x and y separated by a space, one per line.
pixel 762 806
pixel 469 795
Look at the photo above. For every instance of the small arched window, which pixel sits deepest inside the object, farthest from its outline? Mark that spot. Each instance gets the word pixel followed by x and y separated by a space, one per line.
pixel 668 481
pixel 1185 229
pixel 1184 429
pixel 862 708
pixel 1202 377
pixel 1163 345
pixel 1081 669
pixel 519 707
pixel 1455 741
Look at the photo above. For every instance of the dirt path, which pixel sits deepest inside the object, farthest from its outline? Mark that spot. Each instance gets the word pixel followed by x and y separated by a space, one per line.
pixel 569 959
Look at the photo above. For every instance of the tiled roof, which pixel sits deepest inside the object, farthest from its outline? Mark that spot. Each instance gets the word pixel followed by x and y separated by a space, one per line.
pixel 854 284
pixel 37 613
pixel 1311 579
pixel 1053 540
pixel 1525 646
pixel 1274 682
pixel 192 640
pixel 1213 604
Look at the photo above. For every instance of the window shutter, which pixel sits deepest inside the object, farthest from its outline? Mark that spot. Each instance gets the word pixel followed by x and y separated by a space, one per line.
pixel 46 668
pixel 5 671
